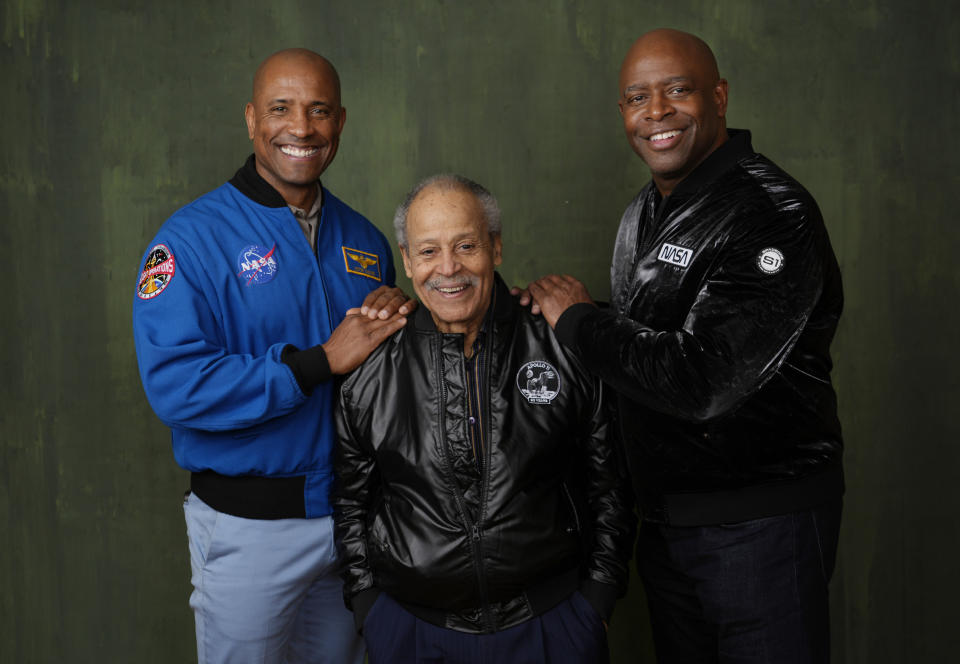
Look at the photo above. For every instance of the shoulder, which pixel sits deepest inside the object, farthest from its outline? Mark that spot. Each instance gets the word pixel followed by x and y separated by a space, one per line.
pixel 207 211
pixel 384 355
pixel 765 182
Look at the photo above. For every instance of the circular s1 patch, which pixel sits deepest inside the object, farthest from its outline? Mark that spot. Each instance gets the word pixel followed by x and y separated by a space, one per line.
pixel 770 260
pixel 257 264
pixel 538 381
pixel 157 272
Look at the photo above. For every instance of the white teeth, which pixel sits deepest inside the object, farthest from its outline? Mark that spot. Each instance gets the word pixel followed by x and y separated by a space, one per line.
pixel 297 152
pixel 455 289
pixel 664 135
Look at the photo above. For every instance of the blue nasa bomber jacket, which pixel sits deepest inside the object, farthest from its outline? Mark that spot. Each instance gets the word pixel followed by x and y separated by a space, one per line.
pixel 228 294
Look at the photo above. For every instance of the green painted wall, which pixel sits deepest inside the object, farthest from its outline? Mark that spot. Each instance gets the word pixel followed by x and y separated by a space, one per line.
pixel 116 113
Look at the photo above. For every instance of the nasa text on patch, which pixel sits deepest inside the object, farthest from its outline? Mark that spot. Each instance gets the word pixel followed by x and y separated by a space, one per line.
pixel 674 255
pixel 158 271
pixel 361 262
pixel 538 381
pixel 257 264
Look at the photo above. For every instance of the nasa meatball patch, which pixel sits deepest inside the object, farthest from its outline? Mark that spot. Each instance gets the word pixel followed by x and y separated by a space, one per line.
pixel 257 264
pixel 157 272
pixel 770 260
pixel 538 381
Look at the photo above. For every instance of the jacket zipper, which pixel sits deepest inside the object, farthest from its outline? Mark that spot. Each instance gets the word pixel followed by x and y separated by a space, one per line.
pixel 486 352
pixel 573 506
pixel 470 527
pixel 316 260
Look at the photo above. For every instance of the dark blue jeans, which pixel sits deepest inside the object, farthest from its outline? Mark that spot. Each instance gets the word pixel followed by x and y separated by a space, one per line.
pixel 569 633
pixel 747 592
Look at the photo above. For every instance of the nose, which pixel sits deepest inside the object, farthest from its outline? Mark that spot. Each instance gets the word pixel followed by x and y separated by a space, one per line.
pixel 449 264
pixel 659 107
pixel 300 124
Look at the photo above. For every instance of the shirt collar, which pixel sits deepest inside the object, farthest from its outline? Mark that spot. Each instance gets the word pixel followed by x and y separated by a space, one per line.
pixel 736 148
pixel 300 213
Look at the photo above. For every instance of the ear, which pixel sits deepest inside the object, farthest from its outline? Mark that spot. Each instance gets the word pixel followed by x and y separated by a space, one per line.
pixel 251 119
pixel 343 118
pixel 620 106
pixel 720 97
pixel 497 250
pixel 406 262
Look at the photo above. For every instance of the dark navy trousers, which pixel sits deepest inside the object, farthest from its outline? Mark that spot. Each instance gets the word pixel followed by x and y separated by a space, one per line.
pixel 745 593
pixel 570 633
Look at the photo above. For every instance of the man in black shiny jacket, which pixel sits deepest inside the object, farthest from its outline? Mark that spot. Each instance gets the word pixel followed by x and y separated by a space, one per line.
pixel 726 295
pixel 481 512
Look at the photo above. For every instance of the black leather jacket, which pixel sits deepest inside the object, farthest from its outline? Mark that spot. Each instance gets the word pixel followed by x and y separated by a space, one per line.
pixel 470 550
pixel 726 296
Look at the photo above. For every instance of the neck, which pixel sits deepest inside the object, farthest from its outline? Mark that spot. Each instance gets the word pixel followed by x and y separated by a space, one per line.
pixel 301 196
pixel 468 329
pixel 666 183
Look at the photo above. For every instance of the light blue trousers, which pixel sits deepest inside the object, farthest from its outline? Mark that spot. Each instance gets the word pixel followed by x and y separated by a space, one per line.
pixel 267 591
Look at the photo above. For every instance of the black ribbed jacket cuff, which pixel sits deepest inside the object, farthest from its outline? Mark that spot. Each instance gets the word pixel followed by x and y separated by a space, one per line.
pixel 361 603
pixel 568 325
pixel 309 367
pixel 602 597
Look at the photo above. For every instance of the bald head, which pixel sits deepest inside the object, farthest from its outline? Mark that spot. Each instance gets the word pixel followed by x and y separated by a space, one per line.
pixel 665 41
pixel 293 58
pixel 673 103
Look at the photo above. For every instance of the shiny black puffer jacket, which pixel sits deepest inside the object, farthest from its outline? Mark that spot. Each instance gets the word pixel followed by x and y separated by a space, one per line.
pixel 550 513
pixel 726 296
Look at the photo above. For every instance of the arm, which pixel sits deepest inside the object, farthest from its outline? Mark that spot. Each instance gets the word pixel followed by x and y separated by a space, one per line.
pixel 355 469
pixel 610 502
pixel 742 325
pixel 191 378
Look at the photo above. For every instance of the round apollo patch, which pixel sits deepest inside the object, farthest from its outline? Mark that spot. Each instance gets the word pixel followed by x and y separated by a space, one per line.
pixel 770 260
pixel 257 264
pixel 538 381
pixel 157 272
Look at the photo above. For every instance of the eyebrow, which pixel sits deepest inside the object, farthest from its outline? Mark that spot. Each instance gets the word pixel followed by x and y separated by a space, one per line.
pixel 667 81
pixel 455 238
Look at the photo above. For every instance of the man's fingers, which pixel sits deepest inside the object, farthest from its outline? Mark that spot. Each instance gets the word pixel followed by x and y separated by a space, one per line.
pixel 385 302
pixel 408 307
pixel 390 326
pixel 391 305
pixel 522 295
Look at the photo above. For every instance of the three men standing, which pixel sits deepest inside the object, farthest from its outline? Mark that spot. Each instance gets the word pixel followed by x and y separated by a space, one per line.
pixel 478 493
pixel 726 296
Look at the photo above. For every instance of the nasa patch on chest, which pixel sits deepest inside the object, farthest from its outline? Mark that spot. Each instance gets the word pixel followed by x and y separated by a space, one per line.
pixel 675 255
pixel 538 381
pixel 257 264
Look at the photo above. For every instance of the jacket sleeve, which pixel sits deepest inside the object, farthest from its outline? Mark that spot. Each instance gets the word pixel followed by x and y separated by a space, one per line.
pixel 355 473
pixel 613 521
pixel 189 377
pixel 742 325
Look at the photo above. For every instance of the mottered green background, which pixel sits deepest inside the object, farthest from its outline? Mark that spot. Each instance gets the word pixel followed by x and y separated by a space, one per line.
pixel 114 114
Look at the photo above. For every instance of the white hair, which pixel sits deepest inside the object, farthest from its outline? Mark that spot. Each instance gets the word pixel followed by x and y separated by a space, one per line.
pixel 449 181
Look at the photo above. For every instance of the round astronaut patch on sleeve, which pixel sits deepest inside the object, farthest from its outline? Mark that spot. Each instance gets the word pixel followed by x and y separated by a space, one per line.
pixel 157 272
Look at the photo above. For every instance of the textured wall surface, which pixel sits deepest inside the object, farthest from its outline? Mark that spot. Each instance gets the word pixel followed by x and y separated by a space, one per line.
pixel 116 113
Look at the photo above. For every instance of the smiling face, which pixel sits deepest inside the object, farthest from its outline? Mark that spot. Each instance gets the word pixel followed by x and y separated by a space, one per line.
pixel 294 121
pixel 673 104
pixel 450 257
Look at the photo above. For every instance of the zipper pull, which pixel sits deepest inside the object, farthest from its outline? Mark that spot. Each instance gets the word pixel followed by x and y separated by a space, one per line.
pixel 476 533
